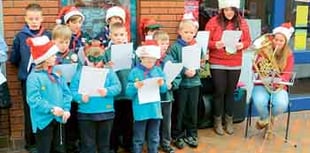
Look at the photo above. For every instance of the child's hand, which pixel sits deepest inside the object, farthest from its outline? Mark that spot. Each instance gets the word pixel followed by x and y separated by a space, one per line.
pixel 85 98
pixel 160 82
pixel 110 64
pixel 138 84
pixel 102 92
pixel 239 46
pixel 190 73
pixel 57 111
pixel 219 45
pixel 66 115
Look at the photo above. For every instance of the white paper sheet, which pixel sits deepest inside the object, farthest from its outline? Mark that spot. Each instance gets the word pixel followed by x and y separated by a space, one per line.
pixel 91 80
pixel 149 92
pixel 2 78
pixel 191 57
pixel 66 70
pixel 202 39
pixel 121 56
pixel 230 38
pixel 172 70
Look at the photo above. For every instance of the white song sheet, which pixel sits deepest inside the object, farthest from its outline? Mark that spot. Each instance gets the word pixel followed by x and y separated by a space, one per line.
pixel 202 39
pixel 230 38
pixel 91 80
pixel 2 78
pixel 66 70
pixel 172 70
pixel 121 56
pixel 149 92
pixel 191 57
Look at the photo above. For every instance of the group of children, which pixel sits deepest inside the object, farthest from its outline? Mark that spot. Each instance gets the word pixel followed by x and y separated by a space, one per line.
pixel 65 120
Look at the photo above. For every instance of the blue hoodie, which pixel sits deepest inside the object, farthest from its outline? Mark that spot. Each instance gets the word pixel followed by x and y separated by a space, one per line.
pixel 20 51
pixel 43 95
pixel 150 110
pixel 97 104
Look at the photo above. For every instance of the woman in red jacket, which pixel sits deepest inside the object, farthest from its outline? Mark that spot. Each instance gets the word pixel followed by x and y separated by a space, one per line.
pixel 226 67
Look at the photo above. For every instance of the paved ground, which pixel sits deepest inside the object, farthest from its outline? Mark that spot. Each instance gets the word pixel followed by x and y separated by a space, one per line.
pixel 211 143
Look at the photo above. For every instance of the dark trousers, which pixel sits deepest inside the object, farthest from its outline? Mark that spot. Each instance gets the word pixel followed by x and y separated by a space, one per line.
pixel 29 135
pixel 165 126
pixel 225 82
pixel 51 138
pixel 186 107
pixel 72 130
pixel 95 136
pixel 149 127
pixel 122 131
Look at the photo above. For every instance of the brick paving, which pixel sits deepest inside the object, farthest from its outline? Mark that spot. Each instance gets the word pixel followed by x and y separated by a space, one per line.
pixel 209 142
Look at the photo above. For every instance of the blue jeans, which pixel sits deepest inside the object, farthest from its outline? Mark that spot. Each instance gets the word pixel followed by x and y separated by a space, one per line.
pixel 151 127
pixel 165 127
pixel 261 98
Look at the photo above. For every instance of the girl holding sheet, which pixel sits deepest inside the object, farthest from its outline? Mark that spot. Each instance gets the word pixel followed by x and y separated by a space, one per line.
pixel 226 65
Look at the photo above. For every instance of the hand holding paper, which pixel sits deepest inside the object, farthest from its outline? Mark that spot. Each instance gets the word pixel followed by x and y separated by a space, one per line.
pixel 219 45
pixel 230 38
pixel 138 84
pixel 85 98
pixel 102 92
pixel 160 81
pixel 149 92
pixel 172 70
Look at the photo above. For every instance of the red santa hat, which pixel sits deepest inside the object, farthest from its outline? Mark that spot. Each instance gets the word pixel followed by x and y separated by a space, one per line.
pixel 190 16
pixel 228 3
pixel 116 11
pixel 149 49
pixel 286 29
pixel 66 13
pixel 41 48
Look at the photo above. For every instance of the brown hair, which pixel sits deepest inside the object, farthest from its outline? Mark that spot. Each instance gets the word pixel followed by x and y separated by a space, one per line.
pixel 61 31
pixel 223 21
pixel 161 35
pixel 281 56
pixel 33 7
pixel 116 26
pixel 74 18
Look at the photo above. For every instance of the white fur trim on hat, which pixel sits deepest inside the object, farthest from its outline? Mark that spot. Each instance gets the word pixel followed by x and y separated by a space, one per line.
pixel 190 16
pixel 148 51
pixel 72 13
pixel 287 32
pixel 53 50
pixel 228 3
pixel 115 11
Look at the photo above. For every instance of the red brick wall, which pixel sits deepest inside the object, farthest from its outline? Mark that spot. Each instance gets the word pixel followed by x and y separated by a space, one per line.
pixel 166 12
pixel 13 18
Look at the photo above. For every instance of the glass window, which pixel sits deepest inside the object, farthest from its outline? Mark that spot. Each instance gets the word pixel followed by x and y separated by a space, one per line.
pixel 95 11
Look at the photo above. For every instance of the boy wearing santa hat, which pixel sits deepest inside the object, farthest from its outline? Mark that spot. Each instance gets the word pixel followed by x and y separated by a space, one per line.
pixel 147 115
pixel 115 14
pixel 48 96
pixel 20 57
